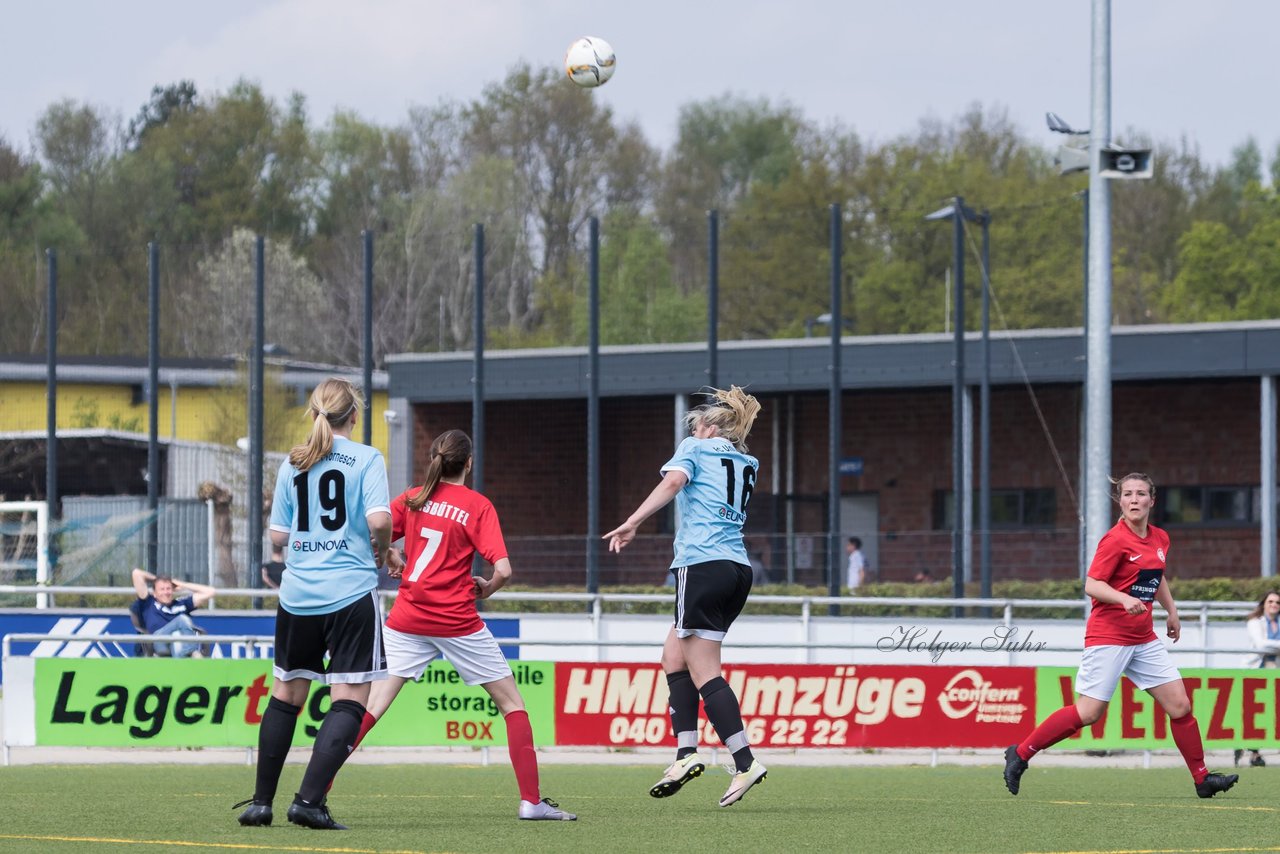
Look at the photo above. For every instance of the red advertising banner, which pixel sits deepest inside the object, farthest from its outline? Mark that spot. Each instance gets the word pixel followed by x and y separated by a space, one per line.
pixel 807 705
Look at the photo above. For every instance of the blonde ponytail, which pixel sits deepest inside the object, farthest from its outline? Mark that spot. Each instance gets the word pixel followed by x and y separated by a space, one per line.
pixel 733 412
pixel 333 405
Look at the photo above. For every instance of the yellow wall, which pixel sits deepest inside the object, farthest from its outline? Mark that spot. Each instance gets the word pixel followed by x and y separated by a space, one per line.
pixel 110 407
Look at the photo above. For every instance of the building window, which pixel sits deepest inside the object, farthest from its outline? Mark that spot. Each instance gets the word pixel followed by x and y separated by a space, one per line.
pixel 1207 505
pixel 1010 508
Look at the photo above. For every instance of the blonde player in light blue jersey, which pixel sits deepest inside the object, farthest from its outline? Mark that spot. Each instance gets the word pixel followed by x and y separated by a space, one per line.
pixel 332 515
pixel 710 477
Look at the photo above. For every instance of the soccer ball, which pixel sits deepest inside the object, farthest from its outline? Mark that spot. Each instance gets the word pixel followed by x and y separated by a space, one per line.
pixel 590 62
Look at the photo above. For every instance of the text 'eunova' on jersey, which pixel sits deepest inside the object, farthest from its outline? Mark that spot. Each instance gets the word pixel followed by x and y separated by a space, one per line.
pixel 319 545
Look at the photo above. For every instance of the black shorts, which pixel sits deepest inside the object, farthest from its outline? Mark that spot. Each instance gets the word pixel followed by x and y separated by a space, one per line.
pixel 350 636
pixel 709 597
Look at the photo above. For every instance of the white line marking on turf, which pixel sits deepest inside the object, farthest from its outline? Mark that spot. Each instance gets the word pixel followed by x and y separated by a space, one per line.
pixel 176 843
pixel 1166 851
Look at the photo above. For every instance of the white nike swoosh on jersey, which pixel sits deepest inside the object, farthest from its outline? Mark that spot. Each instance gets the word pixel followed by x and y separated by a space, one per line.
pixel 1132 558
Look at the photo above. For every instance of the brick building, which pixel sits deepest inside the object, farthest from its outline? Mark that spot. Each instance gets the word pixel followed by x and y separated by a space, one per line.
pixel 1188 408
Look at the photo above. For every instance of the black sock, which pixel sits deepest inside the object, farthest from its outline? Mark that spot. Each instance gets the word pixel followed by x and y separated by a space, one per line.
pixel 275 735
pixel 684 712
pixel 723 712
pixel 334 743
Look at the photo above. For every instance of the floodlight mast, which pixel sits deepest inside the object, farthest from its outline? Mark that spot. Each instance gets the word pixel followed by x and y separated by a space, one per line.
pixel 1097 385
pixel 1104 161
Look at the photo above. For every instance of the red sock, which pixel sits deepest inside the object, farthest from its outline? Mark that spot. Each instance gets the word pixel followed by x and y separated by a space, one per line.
pixel 524 759
pixel 1186 734
pixel 366 724
pixel 1061 724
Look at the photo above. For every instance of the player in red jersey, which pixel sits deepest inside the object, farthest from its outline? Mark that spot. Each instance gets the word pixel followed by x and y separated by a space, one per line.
pixel 1126 576
pixel 444 525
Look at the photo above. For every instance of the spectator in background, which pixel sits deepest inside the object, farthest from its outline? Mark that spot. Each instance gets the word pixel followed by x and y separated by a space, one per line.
pixel 163 613
pixel 857 570
pixel 1263 626
pixel 273 570
pixel 923 576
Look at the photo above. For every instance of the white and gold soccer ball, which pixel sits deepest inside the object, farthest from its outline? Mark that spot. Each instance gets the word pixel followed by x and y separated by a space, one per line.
pixel 590 62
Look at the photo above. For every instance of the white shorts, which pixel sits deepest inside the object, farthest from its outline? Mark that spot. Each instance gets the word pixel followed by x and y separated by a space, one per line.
pixel 1147 665
pixel 477 657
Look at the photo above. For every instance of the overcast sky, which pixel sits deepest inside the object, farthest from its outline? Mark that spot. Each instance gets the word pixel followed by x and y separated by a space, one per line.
pixel 1203 70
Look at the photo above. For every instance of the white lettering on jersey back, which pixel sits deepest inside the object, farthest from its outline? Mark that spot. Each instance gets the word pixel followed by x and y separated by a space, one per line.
pixel 445 510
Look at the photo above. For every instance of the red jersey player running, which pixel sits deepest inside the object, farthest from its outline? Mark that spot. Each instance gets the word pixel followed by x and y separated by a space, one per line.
pixel 444 524
pixel 1126 576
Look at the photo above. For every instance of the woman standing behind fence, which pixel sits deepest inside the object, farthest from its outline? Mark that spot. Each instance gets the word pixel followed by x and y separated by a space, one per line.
pixel 711 477
pixel 444 524
pixel 1126 576
pixel 1263 626
pixel 331 506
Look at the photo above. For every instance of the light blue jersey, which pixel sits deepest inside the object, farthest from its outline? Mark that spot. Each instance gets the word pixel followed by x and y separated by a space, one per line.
pixel 329 557
pixel 712 507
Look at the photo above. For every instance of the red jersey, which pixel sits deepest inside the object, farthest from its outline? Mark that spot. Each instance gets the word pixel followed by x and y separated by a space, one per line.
pixel 436 596
pixel 1133 565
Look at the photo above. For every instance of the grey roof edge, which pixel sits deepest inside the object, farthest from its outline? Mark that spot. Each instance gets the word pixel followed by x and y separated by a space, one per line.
pixel 847 341
pixel 1041 356
pixel 102 433
pixel 107 374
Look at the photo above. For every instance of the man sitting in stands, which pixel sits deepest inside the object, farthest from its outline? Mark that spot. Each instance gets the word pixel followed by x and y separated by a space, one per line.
pixel 162 614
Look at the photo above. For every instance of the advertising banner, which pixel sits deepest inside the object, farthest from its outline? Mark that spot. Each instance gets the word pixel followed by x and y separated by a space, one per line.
pixel 162 702
pixel 441 711
pixel 783 705
pixel 89 623
pixel 219 702
pixel 1235 708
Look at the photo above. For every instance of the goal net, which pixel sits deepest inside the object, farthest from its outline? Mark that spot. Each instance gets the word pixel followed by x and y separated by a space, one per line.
pixel 24 543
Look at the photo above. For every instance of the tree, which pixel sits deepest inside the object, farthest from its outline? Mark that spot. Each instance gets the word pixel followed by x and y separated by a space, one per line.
pixel 639 300
pixel 1211 282
pixel 235 159
pixel 75 143
pixel 28 224
pixel 1223 276
pixel 723 147
pixel 165 103
pixel 296 315
pixel 532 159
pixel 79 150
pixel 369 175
pixel 554 136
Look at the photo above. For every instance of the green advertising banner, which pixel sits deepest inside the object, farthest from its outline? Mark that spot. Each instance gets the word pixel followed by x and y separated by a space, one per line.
pixel 1235 708
pixel 146 702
